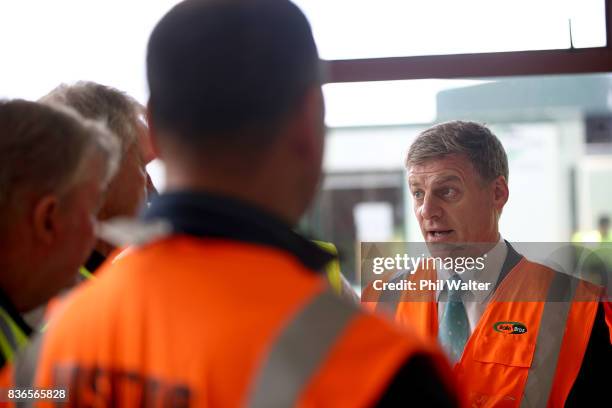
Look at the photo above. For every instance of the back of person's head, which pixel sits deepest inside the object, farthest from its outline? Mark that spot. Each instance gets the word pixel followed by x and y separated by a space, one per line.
pixel 229 79
pixel 224 71
pixel 123 115
pixel 53 169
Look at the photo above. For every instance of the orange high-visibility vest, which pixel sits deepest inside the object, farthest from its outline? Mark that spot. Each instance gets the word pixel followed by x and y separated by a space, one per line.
pixel 534 365
pixel 214 322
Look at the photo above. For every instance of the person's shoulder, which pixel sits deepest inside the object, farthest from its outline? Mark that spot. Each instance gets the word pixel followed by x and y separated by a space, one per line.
pixel 94 299
pixel 388 359
pixel 85 294
pixel 380 328
pixel 420 375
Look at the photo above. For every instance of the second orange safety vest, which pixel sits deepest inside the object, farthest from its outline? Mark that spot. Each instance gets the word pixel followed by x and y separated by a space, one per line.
pixel 522 353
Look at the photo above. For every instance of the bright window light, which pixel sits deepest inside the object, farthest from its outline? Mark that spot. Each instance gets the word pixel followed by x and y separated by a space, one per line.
pixel 385 102
pixel 346 29
pixel 44 43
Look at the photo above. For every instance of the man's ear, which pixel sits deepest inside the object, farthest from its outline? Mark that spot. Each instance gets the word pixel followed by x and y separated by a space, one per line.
pixel 308 127
pixel 152 131
pixel 500 193
pixel 46 218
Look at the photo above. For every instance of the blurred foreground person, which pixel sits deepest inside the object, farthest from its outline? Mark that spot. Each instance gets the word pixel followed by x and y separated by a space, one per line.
pixel 124 116
pixel 223 305
pixel 54 168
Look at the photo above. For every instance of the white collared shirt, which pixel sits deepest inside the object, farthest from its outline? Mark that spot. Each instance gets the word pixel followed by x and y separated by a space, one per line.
pixel 490 274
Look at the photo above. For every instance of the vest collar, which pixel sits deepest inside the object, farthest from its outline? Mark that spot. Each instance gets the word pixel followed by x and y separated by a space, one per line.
pixel 496 257
pixel 10 309
pixel 512 259
pixel 95 260
pixel 207 215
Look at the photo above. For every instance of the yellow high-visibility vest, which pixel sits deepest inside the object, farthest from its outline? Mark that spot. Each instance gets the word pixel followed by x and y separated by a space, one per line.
pixel 332 269
pixel 85 273
pixel 12 338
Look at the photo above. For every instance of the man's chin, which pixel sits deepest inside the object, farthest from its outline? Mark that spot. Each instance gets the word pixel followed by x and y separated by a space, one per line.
pixel 444 249
pixel 457 249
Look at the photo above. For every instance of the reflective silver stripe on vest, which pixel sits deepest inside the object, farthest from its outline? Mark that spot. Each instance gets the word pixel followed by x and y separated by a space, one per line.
pixel 7 331
pixel 299 350
pixel 548 344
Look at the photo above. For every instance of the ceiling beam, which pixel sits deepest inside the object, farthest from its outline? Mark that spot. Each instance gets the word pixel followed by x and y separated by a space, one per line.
pixel 497 64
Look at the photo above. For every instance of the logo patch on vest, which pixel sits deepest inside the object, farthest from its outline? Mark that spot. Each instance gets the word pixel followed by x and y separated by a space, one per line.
pixel 510 327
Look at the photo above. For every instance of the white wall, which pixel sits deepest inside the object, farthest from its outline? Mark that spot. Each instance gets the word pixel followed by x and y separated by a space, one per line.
pixel 594 190
pixel 44 43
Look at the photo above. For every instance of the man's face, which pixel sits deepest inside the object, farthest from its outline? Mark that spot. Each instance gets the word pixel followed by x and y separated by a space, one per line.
pixel 451 202
pixel 127 190
pixel 147 151
pixel 76 238
pixel 50 237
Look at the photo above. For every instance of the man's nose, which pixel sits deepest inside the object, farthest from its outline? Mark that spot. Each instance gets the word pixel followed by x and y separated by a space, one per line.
pixel 430 207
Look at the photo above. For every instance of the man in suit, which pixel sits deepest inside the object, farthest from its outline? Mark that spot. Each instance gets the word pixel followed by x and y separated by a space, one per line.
pixel 533 336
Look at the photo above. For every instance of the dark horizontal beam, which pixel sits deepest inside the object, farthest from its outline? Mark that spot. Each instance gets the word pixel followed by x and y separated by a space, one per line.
pixel 498 64
pixel 549 62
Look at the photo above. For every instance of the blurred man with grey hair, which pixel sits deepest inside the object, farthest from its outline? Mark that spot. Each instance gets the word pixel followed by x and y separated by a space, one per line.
pixel 54 168
pixel 124 116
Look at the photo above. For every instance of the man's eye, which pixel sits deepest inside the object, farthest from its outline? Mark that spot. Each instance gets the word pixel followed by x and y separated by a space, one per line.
pixel 417 194
pixel 449 192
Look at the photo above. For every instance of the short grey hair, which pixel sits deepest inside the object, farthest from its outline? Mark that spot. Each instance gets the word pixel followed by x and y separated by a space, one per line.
pixel 473 140
pixel 117 110
pixel 46 149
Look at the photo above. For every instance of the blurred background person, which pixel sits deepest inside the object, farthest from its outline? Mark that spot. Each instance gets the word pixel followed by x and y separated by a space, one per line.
pixel 226 305
pixel 124 116
pixel 594 252
pixel 54 168
pixel 601 234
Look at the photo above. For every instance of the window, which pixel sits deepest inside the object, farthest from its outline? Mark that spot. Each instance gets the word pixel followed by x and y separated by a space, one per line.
pixel 555 130
pixel 348 29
